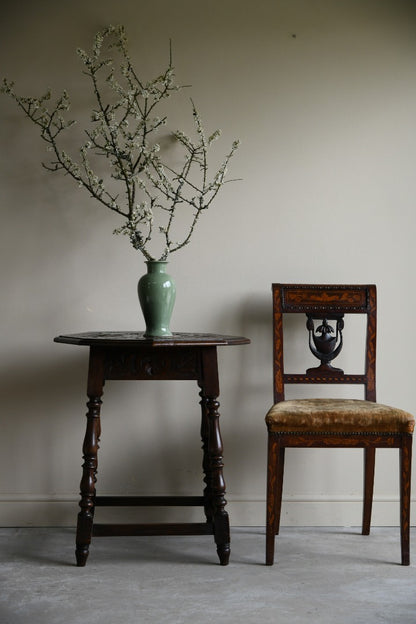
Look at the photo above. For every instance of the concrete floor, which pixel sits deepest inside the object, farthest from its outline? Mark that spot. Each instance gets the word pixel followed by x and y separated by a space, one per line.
pixel 321 576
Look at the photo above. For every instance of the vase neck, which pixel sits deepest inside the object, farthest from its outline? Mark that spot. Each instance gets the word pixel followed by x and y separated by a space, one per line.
pixel 156 266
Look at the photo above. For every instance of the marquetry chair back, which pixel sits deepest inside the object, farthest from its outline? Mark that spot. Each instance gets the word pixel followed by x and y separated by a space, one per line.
pixel 335 422
pixel 325 304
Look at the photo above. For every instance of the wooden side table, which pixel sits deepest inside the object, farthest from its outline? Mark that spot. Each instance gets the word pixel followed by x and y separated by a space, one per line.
pixel 130 356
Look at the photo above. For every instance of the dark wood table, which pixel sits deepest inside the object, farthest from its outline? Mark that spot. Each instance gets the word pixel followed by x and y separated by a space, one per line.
pixel 128 355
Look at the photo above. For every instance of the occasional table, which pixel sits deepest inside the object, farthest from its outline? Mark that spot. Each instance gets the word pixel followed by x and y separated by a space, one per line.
pixel 131 356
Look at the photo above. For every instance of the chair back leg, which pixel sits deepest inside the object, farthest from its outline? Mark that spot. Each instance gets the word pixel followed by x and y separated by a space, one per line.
pixel 369 464
pixel 280 474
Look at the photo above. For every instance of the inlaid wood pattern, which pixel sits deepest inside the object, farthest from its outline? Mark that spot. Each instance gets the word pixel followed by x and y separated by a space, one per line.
pixel 304 298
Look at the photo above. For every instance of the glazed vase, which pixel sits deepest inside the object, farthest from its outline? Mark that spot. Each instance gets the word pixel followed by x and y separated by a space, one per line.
pixel 157 292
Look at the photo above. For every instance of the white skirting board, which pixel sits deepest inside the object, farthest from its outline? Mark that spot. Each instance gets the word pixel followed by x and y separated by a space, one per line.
pixel 32 510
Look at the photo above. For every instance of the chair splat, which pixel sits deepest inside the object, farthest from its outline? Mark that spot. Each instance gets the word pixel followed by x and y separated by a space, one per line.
pixel 325 344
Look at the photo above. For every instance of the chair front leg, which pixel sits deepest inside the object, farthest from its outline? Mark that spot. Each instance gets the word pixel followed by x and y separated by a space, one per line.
pixel 405 491
pixel 274 493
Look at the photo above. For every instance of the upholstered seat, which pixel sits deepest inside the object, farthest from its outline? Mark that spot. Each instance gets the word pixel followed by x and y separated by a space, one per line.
pixel 331 422
pixel 338 416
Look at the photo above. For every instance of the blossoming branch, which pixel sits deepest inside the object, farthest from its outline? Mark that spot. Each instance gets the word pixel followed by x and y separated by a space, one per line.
pixel 141 185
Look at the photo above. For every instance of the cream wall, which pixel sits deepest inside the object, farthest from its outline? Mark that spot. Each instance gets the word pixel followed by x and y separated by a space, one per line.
pixel 322 95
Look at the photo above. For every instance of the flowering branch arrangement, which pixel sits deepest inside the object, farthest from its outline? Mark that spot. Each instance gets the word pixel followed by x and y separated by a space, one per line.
pixel 123 132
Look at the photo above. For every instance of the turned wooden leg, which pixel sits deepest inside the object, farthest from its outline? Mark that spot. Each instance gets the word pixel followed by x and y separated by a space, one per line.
pixel 90 450
pixel 213 456
pixel 369 465
pixel 87 486
pixel 405 480
pixel 205 460
pixel 217 483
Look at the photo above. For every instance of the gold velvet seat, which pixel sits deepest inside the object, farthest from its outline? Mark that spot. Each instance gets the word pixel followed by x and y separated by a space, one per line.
pixel 332 422
pixel 337 415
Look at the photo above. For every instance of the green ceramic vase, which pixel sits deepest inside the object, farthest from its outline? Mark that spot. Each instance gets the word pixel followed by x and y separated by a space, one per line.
pixel 157 292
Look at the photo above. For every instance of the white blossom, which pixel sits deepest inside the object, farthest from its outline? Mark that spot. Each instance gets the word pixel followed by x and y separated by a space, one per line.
pixel 140 185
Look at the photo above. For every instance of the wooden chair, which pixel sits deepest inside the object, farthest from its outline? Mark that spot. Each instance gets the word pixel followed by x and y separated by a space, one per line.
pixel 332 422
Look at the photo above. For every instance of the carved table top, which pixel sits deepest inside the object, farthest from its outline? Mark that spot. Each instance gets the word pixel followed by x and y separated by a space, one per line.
pixel 137 339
